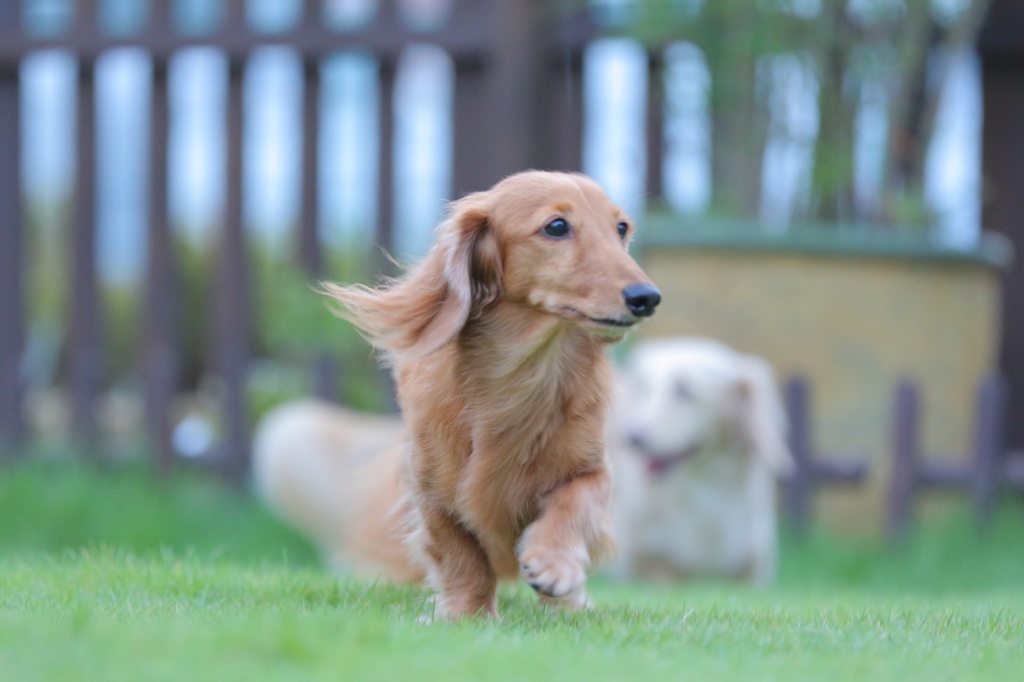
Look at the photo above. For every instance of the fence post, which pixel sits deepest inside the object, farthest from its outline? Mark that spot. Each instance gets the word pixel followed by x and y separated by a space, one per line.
pixel 988 447
pixel 384 235
pixel 160 361
pixel 386 198
pixel 500 109
pixel 561 137
pixel 310 253
pixel 905 458
pixel 324 368
pixel 85 347
pixel 799 485
pixel 655 124
pixel 12 254
pixel 231 306
pixel 810 471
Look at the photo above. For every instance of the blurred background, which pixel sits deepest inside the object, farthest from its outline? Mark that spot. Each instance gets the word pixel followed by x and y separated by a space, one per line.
pixel 833 185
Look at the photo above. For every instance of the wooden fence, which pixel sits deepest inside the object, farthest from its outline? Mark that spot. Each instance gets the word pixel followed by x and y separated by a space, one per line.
pixel 517 104
pixel 982 473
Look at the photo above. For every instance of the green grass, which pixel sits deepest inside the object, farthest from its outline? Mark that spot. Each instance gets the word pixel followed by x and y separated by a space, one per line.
pixel 107 578
pixel 54 506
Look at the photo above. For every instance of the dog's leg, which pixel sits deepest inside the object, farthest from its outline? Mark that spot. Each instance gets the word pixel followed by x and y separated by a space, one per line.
pixel 572 531
pixel 458 567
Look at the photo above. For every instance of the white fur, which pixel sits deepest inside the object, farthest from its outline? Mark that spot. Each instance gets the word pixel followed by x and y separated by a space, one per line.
pixel 322 468
pixel 711 420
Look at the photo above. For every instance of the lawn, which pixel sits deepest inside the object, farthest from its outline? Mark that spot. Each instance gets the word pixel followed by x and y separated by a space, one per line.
pixel 110 578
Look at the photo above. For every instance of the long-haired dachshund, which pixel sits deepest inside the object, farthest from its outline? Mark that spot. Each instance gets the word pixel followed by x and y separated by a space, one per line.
pixel 497 342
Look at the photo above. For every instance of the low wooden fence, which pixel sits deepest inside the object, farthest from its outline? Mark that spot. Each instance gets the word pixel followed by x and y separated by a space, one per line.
pixel 982 473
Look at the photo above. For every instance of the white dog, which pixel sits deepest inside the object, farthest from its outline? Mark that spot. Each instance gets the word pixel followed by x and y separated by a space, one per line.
pixel 697 437
pixel 329 472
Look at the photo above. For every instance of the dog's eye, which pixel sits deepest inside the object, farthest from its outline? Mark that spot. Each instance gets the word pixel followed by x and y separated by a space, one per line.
pixel 623 229
pixel 557 229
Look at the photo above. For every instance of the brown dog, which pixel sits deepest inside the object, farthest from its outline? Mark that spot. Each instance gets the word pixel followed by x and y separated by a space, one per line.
pixel 497 344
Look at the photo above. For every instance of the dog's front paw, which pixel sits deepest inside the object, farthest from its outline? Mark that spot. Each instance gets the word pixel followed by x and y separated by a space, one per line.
pixel 576 601
pixel 559 575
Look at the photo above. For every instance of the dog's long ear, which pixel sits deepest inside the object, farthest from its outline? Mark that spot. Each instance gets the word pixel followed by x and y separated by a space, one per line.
pixel 762 415
pixel 472 260
pixel 429 305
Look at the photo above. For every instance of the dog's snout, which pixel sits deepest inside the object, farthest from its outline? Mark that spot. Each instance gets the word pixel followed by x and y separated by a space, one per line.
pixel 641 299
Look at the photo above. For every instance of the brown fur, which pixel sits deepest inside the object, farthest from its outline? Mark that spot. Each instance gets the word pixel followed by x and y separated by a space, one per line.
pixel 497 344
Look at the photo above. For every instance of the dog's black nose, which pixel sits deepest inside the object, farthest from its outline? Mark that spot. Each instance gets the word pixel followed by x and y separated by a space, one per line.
pixel 641 299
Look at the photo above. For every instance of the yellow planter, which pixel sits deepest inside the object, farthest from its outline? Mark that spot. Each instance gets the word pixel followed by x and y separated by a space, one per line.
pixel 853 316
